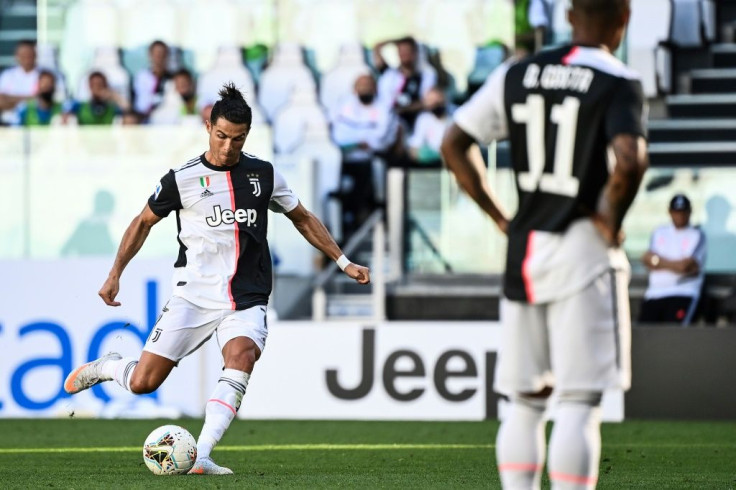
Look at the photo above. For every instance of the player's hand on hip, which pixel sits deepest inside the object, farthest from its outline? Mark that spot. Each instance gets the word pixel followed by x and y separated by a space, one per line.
pixel 613 238
pixel 109 290
pixel 361 274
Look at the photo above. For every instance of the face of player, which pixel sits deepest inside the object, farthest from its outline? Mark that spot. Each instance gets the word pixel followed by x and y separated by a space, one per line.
pixel 226 141
pixel 26 57
pixel 680 218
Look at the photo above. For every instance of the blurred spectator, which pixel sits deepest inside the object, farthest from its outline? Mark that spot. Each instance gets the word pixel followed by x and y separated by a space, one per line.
pixel 104 106
pixel 148 86
pixel 675 259
pixel 402 88
pixel 184 84
pixel 424 143
pixel 43 109
pixel 532 25
pixel 362 128
pixel 18 83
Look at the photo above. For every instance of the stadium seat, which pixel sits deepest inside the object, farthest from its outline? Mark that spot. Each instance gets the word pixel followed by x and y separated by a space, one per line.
pixel 208 26
pixel 228 67
pixel 290 123
pixel 561 30
pixel 317 147
pixel 169 110
pixel 486 60
pixel 338 82
pixel 107 61
pixel 46 58
pixel 648 27
pixel 286 73
pixel 87 25
pixel 446 28
pixel 142 21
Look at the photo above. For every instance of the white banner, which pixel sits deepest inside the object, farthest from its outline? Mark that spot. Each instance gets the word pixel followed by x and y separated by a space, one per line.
pixel 51 320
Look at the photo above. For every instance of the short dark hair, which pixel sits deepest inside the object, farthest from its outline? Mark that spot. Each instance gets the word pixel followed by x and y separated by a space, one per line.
pixel 410 41
pixel 232 106
pixel 601 7
pixel 47 73
pixel 25 42
pixel 158 42
pixel 183 72
pixel 97 74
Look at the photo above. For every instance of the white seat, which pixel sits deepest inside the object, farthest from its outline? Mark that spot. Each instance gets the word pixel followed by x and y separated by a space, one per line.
pixel 648 27
pixel 87 24
pixel 146 20
pixel 277 83
pixel 318 148
pixel 209 25
pixel 686 23
pixel 291 122
pixel 169 110
pixel 106 61
pixel 561 29
pixel 338 82
pixel 228 67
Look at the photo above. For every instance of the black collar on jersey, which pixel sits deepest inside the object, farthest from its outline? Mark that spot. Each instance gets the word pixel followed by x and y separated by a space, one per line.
pixel 223 168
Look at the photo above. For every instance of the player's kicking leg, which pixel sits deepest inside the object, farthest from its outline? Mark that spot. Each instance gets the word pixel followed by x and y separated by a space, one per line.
pixel 138 376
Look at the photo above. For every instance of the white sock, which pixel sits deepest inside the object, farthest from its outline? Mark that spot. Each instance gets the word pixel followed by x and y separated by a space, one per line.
pixel 121 370
pixel 221 409
pixel 520 445
pixel 575 447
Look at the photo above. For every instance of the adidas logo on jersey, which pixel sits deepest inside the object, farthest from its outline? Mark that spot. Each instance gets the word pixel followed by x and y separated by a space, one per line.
pixel 206 193
pixel 228 216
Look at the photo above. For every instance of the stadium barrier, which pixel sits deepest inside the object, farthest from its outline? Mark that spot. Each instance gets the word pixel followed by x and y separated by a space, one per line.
pixel 51 320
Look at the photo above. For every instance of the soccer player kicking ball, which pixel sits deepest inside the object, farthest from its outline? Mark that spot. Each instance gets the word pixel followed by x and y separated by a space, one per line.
pixel 222 277
pixel 573 116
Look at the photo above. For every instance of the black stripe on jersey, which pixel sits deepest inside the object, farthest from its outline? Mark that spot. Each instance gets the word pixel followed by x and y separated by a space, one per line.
pixel 181 260
pixel 189 164
pixel 251 284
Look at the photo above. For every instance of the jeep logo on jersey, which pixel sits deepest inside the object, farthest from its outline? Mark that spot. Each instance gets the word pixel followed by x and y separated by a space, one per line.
pixel 228 216
pixel 256 186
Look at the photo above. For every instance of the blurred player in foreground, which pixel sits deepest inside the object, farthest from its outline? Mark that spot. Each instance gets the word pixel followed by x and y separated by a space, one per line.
pixel 222 278
pixel 574 119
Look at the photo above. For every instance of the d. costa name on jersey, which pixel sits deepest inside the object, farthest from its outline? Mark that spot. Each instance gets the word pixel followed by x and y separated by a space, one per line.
pixel 228 216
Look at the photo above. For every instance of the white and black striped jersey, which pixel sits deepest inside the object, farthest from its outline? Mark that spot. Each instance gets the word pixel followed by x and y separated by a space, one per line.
pixel 560 110
pixel 222 220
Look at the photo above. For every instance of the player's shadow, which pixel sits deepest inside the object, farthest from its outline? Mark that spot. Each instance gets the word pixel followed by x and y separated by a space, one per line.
pixel 92 234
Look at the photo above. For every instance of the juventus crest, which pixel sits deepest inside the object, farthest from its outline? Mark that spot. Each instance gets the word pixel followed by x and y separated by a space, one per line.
pixel 256 185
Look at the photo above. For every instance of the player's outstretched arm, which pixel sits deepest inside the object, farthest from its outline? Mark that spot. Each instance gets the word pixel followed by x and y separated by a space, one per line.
pixel 632 161
pixel 455 146
pixel 132 241
pixel 317 235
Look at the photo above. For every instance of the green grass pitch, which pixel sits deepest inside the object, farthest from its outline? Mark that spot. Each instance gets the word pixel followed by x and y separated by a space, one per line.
pixel 78 453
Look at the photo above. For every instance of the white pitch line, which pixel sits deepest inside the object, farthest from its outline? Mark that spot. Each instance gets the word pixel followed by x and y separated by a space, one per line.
pixel 265 447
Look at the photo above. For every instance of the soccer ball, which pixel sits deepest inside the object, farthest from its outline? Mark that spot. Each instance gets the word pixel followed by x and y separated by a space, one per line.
pixel 170 450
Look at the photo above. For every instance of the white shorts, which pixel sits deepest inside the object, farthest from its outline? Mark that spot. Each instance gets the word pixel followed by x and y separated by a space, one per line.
pixel 579 343
pixel 184 327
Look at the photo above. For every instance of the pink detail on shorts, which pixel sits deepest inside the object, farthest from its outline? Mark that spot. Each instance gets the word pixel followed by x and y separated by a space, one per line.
pixel 223 403
pixel 569 56
pixel 525 274
pixel 520 467
pixel 582 480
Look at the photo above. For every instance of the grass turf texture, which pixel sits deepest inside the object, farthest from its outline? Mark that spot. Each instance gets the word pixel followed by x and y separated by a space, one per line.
pixel 81 453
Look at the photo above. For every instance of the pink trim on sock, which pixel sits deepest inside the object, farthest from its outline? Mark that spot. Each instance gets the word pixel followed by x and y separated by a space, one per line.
pixel 223 403
pixel 520 467
pixel 582 480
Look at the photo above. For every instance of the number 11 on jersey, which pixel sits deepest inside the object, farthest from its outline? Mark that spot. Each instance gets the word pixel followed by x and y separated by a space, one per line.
pixel 565 115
